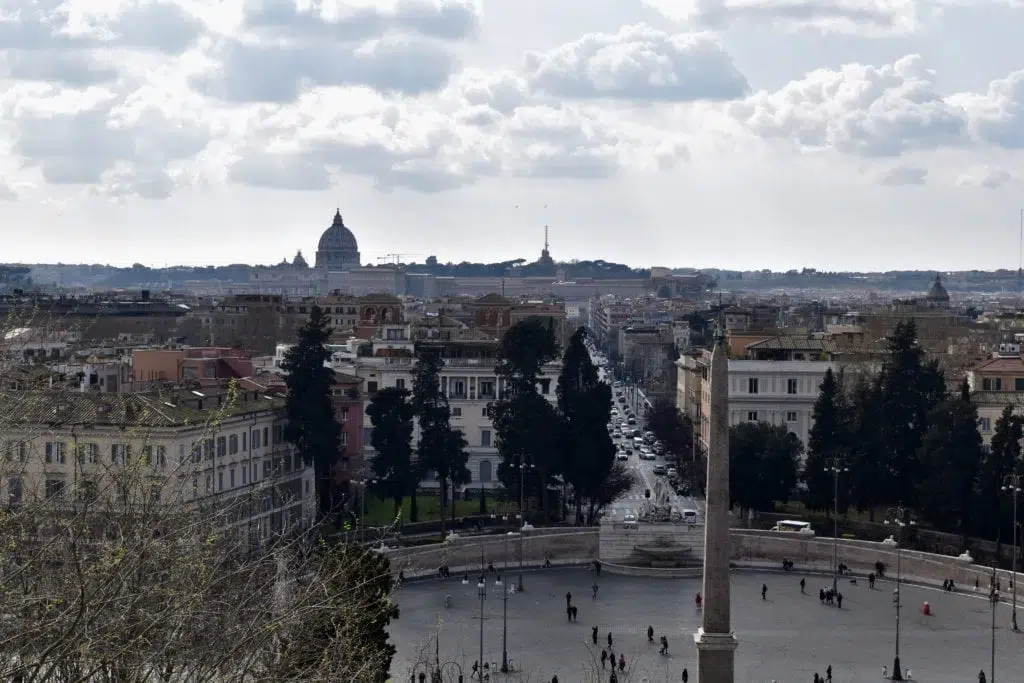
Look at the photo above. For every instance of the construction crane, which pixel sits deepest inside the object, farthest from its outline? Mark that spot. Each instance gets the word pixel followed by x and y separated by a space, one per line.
pixel 394 258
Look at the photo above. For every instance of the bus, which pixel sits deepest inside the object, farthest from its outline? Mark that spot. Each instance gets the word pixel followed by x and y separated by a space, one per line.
pixel 795 526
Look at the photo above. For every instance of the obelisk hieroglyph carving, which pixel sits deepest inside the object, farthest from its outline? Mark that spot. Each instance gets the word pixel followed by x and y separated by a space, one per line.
pixel 716 643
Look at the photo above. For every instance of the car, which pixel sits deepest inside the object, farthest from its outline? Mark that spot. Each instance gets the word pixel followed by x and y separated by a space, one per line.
pixel 659 470
pixel 629 519
pixel 616 435
pixel 673 472
pixel 629 451
pixel 622 456
pixel 631 421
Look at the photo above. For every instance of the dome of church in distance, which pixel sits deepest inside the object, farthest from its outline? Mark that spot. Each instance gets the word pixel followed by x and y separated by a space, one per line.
pixel 938 294
pixel 337 248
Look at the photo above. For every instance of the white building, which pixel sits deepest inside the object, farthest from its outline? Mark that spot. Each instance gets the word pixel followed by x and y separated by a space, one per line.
pixel 188 447
pixel 470 382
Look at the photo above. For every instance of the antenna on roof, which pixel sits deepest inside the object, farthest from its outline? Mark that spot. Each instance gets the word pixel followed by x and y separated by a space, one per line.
pixel 1020 258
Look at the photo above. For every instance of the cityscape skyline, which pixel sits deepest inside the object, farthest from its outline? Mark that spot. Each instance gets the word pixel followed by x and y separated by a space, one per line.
pixel 724 134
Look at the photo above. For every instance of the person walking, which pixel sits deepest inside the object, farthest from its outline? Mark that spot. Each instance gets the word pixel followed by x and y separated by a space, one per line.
pixel 803 584
pixel 593 635
pixel 568 599
pixel 622 662
pixel 613 678
pixel 764 591
pixel 594 596
pixel 650 634
pixel 664 645
pixel 604 657
pixel 609 640
pixel 686 675
pixel 828 674
pixel 574 612
pixel 839 600
pixel 568 612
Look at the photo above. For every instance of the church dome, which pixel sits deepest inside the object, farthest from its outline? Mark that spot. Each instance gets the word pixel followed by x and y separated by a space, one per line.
pixel 938 294
pixel 337 247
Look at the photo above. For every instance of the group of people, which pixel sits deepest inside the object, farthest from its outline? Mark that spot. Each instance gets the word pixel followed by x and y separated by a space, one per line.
pixel 818 678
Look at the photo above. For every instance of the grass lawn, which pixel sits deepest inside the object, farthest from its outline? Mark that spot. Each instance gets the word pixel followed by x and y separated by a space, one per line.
pixel 382 512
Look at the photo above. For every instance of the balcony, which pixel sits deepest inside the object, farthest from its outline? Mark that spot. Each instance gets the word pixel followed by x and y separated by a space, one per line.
pixel 458 396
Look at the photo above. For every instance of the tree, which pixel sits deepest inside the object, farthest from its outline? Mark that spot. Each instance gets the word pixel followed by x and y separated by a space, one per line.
pixel 392 417
pixel 673 429
pixel 588 452
pixel 1002 458
pixel 440 448
pixel 868 459
pixel 312 425
pixel 911 388
pixel 527 426
pixel 764 463
pixel 950 457
pixel 827 442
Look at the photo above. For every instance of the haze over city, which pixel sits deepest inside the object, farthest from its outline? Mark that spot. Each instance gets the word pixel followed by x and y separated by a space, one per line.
pixel 726 134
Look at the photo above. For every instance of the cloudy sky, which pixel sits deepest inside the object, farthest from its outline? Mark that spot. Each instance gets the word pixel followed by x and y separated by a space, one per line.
pixel 839 134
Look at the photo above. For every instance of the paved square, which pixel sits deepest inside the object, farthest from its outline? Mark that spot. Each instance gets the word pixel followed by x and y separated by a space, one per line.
pixel 786 638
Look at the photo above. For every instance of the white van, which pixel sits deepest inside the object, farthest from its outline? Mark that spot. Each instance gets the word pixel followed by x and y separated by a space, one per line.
pixel 794 526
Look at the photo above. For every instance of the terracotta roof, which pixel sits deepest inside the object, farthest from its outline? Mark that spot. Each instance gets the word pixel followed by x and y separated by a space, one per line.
pixel 1001 365
pixel 791 343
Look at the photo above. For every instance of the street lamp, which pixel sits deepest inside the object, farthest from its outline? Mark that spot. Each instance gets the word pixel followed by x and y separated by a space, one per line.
pixel 993 597
pixel 836 466
pixel 523 467
pixel 1012 483
pixel 902 517
pixel 481 589
pixel 504 615
pixel 363 484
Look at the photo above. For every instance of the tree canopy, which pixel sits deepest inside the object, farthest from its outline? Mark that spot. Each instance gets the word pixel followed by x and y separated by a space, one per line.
pixel 764 463
pixel 827 444
pixel 395 471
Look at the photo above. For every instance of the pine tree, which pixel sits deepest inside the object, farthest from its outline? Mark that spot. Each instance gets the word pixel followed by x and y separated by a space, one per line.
pixel 827 443
pixel 312 425
pixel 391 415
pixel 950 459
pixel 764 464
pixel 869 469
pixel 588 452
pixel 441 448
pixel 912 387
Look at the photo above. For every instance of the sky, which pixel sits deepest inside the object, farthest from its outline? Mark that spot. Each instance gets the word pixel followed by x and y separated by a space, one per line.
pixel 747 134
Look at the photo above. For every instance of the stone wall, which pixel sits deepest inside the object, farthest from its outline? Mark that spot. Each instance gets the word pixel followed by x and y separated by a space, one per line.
pixel 619 542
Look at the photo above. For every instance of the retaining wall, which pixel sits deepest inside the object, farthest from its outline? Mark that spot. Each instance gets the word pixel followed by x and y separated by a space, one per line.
pixel 619 541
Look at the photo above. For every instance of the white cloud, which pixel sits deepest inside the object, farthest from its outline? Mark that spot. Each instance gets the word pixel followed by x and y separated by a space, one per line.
pixel 997 116
pixel 858 109
pixel 987 177
pixel 899 176
pixel 637 63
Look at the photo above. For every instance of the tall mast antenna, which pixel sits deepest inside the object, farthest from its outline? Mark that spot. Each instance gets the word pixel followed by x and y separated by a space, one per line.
pixel 1020 258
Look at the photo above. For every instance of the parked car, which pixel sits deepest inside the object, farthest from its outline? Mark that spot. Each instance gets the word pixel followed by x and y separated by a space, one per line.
pixel 629 519
pixel 622 456
pixel 659 470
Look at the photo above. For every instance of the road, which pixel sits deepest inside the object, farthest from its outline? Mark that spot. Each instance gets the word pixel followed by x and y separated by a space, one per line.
pixel 643 475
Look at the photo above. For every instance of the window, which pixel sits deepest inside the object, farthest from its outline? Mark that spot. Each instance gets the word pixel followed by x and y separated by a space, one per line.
pixel 245 436
pixel 368 435
pixel 545 386
pixel 986 424
pixel 400 383
pixel 54 489
pixel 485 438
pixel 485 470
pixel 245 475
pixel 220 480
pixel 154 493
pixel 231 477
pixel 119 453
pixel 88 491
pixel 16 450
pixel 371 387
pixel 1018 384
pixel 147 455
pixel 483 412
pixel 343 415
pixel 222 446
pixel 992 384
pixel 161 456
pixel 88 453
pixel 266 437
pixel 344 438
pixel 752 416
pixel 255 438
pixel 266 468
pixel 752 385
pixel 209 483
pixel 457 411
pixel 14 490
pixel 790 386
pixel 207 449
pixel 55 452
pixel 232 444
pixel 181 454
pixel 278 434
pixel 486 389
pixel 791 416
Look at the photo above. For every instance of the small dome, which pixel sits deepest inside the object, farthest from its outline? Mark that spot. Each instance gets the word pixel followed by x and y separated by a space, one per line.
pixel 299 261
pixel 938 294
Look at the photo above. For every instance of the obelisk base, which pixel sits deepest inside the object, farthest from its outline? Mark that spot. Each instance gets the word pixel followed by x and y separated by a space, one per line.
pixel 715 657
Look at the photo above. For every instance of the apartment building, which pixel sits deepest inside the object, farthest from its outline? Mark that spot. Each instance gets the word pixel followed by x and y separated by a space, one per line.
pixel 188 447
pixel 995 384
pixel 468 379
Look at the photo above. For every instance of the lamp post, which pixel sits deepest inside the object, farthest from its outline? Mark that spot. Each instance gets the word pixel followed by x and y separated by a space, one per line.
pixel 836 466
pixel 902 517
pixel 523 467
pixel 504 614
pixel 481 588
pixel 1012 483
pixel 993 598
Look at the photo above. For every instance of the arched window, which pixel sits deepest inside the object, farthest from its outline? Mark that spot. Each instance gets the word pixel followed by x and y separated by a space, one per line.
pixel 485 470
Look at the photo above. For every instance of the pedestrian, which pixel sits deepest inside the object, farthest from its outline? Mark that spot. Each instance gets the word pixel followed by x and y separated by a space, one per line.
pixel 622 662
pixel 597 567
pixel 554 679
pixel 593 635
pixel 574 612
pixel 764 591
pixel 699 601
pixel 828 674
pixel 664 645
pixel 981 676
pixel 650 634
pixel 568 599
pixel 885 671
pixel 594 596
pixel 686 676
pixel 839 600
pixel 604 657
pixel 803 584
pixel 817 678
pixel 613 678
pixel 871 581
pixel 568 612
pixel 609 639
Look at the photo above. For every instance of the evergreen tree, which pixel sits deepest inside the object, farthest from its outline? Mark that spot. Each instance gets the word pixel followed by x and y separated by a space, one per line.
pixel 312 425
pixel 867 457
pixel 527 427
pixel 911 388
pixel 588 452
pixel 764 464
pixel 391 415
pixel 1003 457
pixel 950 458
pixel 440 448
pixel 827 444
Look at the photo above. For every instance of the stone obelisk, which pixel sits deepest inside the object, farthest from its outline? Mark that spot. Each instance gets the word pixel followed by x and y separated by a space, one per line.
pixel 716 643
